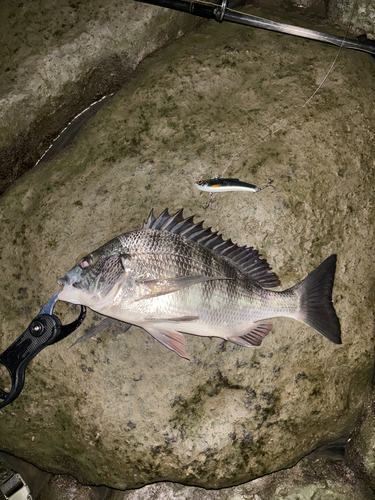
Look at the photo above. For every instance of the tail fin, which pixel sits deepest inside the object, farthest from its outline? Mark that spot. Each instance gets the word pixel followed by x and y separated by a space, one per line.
pixel 316 308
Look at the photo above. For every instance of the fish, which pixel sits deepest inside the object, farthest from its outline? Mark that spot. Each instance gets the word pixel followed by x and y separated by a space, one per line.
pixel 173 276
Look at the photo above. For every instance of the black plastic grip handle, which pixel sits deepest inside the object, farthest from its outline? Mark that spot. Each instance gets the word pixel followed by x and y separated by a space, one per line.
pixel 42 331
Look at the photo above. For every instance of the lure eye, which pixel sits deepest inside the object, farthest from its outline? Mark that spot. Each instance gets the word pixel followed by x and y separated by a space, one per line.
pixel 200 181
pixel 85 262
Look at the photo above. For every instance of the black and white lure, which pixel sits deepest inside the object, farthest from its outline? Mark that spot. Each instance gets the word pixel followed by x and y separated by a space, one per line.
pixel 222 185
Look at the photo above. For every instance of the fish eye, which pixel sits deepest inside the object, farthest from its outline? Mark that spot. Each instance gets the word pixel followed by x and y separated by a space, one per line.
pixel 200 181
pixel 85 262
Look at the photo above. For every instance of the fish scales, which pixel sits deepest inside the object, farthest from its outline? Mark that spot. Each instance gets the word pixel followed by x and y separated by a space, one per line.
pixel 173 277
pixel 173 256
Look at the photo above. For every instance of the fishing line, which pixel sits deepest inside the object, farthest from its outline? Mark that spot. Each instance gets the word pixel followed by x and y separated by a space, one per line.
pixel 67 135
pixel 269 134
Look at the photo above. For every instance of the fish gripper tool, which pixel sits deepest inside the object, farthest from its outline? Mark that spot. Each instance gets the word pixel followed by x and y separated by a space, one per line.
pixel 44 330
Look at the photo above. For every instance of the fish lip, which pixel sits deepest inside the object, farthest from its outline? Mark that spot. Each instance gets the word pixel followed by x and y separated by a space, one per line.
pixel 64 281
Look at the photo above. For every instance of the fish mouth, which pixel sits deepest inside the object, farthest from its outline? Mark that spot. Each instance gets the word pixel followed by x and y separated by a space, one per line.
pixel 66 282
pixel 69 293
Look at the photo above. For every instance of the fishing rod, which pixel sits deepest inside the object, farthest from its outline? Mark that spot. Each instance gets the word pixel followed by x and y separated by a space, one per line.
pixel 221 13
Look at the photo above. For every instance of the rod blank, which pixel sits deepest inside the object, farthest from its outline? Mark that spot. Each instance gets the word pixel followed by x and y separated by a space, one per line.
pixel 221 13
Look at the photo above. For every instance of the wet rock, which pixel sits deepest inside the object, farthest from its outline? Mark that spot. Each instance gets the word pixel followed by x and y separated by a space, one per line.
pixel 358 15
pixel 126 412
pixel 59 57
pixel 45 486
pixel 308 480
pixel 361 448
pixel 68 488
pixel 323 474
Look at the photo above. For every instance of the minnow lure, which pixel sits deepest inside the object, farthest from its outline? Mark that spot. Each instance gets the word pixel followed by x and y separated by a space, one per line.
pixel 221 185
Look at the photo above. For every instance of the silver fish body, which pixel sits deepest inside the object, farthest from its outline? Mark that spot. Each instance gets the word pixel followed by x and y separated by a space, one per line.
pixel 173 277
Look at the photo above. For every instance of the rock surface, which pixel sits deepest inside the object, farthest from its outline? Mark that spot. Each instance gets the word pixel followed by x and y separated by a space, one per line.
pixel 126 412
pixel 57 57
pixel 323 475
pixel 68 488
pixel 359 15
pixel 308 480
pixel 361 449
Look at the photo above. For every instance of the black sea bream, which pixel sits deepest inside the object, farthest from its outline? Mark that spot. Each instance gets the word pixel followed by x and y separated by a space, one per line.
pixel 173 277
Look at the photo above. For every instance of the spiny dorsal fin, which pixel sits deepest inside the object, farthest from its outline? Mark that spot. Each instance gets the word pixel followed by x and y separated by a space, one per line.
pixel 247 259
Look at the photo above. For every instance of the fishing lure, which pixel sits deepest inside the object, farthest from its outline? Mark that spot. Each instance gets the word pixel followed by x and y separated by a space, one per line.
pixel 218 184
pixel 221 185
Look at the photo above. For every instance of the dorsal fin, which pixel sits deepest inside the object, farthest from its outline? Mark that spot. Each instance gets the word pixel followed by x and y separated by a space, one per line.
pixel 247 259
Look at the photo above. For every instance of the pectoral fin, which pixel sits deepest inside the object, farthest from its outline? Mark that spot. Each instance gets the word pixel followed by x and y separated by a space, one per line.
pixel 254 336
pixel 149 288
pixel 94 330
pixel 180 319
pixel 175 341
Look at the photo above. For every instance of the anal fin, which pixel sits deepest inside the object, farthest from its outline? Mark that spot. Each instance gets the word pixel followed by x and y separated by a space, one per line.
pixel 171 339
pixel 254 336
